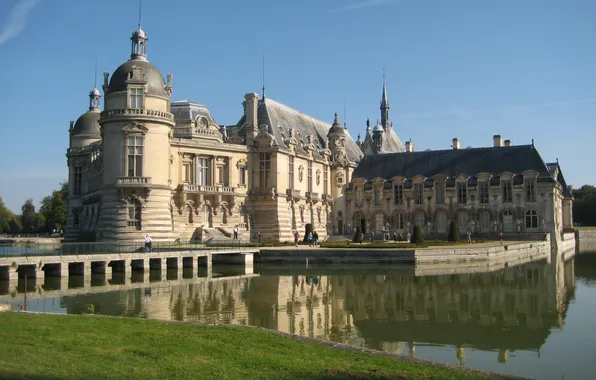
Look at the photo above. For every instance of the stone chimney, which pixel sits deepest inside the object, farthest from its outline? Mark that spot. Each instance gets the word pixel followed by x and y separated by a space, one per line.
pixel 409 146
pixel 251 123
pixel 507 142
pixel 498 141
pixel 455 144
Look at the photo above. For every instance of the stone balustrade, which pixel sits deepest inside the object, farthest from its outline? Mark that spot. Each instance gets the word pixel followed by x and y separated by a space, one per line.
pixel 136 113
pixel 293 193
pixel 133 182
pixel 313 197
pixel 217 189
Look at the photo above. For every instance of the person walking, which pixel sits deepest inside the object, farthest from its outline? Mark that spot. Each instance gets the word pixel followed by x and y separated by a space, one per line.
pixel 309 238
pixel 469 237
pixel 501 237
pixel 296 237
pixel 236 232
pixel 148 244
pixel 315 238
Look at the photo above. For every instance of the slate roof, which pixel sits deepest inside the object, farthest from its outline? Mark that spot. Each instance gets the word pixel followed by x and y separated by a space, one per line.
pixel 155 82
pixel 185 110
pixel 87 125
pixel 471 161
pixel 551 168
pixel 281 118
pixel 391 142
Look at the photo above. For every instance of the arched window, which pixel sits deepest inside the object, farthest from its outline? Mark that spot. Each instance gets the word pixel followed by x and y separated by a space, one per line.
pixel 462 221
pixel 484 219
pixel 441 221
pixel 531 219
pixel 419 219
pixel 397 221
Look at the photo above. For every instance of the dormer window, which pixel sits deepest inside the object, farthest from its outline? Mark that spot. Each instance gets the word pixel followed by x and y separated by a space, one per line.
pixel 136 97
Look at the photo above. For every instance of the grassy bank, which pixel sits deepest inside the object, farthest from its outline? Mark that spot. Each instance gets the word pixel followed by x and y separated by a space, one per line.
pixel 59 347
pixel 390 245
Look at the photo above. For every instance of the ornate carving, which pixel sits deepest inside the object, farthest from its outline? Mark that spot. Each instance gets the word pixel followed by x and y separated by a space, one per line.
pixel 136 73
pixel 318 176
pixel 301 209
pixel 301 173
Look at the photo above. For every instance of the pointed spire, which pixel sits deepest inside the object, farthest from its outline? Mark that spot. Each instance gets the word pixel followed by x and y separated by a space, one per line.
pixel 263 76
pixel 336 121
pixel 384 100
pixel 139 41
pixel 94 95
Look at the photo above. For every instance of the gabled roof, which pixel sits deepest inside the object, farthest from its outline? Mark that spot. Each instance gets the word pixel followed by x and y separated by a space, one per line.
pixel 551 168
pixel 472 161
pixel 281 118
pixel 391 142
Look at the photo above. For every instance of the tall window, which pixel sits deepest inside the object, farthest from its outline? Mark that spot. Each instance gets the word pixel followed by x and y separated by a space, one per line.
pixel 398 221
pixel 291 173
pixel 462 192
pixel 78 179
pixel 325 179
pixel 135 156
pixel 483 192
pixel 242 176
pixel 187 172
pixel 440 193
pixel 220 175
pixel 264 168
pixel 399 194
pixel 530 191
pixel 136 97
pixel 134 215
pixel 531 219
pixel 203 172
pixel 418 194
pixel 309 176
pixel 377 196
pixel 507 191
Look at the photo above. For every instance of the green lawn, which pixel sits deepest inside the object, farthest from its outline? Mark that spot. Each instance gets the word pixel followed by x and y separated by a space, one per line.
pixel 585 228
pixel 38 346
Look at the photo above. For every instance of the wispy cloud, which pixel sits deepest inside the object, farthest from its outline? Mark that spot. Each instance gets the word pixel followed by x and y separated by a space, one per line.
pixel 16 20
pixel 364 4
pixel 468 113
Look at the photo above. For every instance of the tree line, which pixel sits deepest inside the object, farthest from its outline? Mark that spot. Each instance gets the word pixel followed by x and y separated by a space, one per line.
pixel 584 207
pixel 50 217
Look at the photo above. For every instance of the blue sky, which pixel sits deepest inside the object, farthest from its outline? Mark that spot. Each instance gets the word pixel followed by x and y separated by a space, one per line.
pixel 459 68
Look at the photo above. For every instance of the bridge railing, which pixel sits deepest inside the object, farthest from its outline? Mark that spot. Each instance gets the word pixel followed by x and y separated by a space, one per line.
pixel 97 248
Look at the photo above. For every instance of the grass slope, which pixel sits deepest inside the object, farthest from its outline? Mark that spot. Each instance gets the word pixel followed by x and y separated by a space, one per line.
pixel 38 346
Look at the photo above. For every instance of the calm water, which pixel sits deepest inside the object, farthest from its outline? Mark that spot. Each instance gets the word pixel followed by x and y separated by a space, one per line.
pixel 534 320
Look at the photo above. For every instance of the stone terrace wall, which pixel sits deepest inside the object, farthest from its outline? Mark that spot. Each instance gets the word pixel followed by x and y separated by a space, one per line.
pixel 586 240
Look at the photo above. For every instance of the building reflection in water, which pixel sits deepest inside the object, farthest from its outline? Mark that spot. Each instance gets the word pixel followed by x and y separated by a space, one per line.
pixel 512 308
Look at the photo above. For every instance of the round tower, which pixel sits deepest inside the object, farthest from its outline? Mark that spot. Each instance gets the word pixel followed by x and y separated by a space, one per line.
pixel 377 136
pixel 136 129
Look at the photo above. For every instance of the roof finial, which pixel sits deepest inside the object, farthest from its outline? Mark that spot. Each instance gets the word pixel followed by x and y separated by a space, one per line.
pixel 263 76
pixel 345 115
pixel 95 82
pixel 140 9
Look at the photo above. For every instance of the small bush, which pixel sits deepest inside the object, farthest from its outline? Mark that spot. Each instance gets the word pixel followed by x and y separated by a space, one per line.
pixel 453 232
pixel 418 237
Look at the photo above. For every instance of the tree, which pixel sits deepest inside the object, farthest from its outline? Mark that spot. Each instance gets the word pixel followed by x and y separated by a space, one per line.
pixel 28 216
pixel 453 232
pixel 418 236
pixel 5 217
pixel 584 207
pixel 16 227
pixel 53 209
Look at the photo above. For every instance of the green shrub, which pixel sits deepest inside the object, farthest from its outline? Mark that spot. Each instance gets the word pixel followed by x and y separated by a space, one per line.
pixel 453 232
pixel 418 237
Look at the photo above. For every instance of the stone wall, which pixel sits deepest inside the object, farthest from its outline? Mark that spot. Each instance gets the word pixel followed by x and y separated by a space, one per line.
pixel 586 240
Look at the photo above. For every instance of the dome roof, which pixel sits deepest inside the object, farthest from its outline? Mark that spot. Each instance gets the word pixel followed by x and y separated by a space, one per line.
pixel 87 125
pixel 378 128
pixel 149 73
pixel 336 127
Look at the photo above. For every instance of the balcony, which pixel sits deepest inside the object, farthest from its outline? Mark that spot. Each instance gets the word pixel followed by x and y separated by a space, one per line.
pixel 137 182
pixel 263 192
pixel 313 197
pixel 293 194
pixel 327 199
pixel 136 113
pixel 204 189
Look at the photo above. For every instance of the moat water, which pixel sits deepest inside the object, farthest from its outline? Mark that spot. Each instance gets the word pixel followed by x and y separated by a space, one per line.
pixel 534 320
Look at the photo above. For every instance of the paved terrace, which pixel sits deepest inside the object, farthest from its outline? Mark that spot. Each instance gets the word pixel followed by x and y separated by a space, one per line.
pixel 61 260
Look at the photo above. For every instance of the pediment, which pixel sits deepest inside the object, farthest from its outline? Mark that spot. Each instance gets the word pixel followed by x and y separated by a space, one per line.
pixel 135 128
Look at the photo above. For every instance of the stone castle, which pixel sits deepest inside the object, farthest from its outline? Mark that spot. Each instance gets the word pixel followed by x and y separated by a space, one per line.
pixel 148 165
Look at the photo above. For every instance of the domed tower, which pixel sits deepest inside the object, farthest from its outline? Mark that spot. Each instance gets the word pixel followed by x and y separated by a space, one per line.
pixel 86 129
pixel 337 143
pixel 377 135
pixel 136 129
pixel 82 134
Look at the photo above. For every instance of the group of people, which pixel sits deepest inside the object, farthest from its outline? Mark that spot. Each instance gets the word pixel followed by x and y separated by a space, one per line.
pixel 312 238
